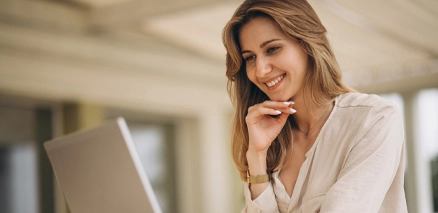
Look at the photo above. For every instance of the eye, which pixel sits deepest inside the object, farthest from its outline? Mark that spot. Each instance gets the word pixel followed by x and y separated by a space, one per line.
pixel 272 50
pixel 249 58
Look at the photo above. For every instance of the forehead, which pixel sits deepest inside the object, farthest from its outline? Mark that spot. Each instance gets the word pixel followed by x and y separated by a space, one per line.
pixel 259 30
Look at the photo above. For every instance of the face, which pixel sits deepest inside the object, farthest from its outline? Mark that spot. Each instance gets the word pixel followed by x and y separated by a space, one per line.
pixel 275 63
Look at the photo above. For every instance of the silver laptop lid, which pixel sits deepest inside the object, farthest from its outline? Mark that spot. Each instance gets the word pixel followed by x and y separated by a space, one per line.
pixel 99 171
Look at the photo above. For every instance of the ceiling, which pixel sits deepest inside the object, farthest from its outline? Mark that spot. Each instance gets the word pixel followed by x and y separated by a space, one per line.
pixel 168 53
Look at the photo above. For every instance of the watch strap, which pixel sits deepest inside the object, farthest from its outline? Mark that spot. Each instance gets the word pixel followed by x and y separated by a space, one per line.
pixel 257 179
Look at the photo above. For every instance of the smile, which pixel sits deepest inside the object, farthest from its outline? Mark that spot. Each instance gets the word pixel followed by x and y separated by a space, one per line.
pixel 275 81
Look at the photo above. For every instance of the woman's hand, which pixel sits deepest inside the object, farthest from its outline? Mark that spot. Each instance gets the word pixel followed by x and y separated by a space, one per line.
pixel 265 121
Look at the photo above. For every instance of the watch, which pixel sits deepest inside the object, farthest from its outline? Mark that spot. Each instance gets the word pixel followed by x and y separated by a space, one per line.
pixel 257 179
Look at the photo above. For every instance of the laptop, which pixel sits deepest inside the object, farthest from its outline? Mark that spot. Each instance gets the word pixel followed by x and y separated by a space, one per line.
pixel 99 171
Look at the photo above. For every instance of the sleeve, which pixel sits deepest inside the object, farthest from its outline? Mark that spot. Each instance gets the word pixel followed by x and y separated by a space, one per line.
pixel 265 202
pixel 370 166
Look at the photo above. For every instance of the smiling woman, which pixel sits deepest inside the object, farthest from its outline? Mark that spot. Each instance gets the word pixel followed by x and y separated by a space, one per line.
pixel 272 59
pixel 302 140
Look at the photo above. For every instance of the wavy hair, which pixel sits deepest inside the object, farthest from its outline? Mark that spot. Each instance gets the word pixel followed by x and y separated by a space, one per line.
pixel 298 20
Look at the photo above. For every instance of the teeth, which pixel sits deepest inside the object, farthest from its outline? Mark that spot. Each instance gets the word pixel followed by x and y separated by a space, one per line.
pixel 275 81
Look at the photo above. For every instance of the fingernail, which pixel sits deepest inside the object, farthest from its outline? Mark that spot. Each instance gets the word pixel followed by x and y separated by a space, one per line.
pixel 293 110
pixel 286 103
pixel 278 112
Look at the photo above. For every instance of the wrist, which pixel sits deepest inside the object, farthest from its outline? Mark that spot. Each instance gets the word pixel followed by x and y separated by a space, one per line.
pixel 256 163
pixel 257 179
pixel 258 156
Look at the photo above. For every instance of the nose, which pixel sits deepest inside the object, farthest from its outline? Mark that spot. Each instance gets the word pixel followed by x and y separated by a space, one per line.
pixel 263 67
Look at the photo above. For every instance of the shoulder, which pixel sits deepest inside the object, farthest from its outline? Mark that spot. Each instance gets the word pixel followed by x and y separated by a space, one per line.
pixel 367 119
pixel 368 111
pixel 373 102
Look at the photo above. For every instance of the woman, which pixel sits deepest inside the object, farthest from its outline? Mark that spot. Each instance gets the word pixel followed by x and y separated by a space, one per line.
pixel 302 140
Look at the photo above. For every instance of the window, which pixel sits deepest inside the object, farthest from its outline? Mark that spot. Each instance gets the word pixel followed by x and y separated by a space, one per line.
pixel 421 121
pixel 427 145
pixel 18 178
pixel 155 149
pixel 26 178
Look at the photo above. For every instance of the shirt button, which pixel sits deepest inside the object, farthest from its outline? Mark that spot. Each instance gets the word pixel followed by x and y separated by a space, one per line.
pixel 259 211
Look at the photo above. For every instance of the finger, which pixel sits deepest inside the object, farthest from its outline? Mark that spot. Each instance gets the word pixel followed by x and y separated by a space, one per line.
pixel 292 110
pixel 288 110
pixel 271 108
pixel 277 104
pixel 285 107
pixel 261 111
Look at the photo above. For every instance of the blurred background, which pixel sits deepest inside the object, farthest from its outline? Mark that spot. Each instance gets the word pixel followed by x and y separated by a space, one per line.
pixel 67 65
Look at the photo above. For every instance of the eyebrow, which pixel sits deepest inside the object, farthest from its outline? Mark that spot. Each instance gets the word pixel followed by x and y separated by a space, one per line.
pixel 261 45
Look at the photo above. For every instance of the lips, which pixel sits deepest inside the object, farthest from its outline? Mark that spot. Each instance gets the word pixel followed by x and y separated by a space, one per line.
pixel 275 81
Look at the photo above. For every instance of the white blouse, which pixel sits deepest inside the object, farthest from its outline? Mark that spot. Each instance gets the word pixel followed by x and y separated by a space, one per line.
pixel 355 165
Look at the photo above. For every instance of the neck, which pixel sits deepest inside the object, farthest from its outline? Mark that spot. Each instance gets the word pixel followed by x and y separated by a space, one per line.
pixel 309 114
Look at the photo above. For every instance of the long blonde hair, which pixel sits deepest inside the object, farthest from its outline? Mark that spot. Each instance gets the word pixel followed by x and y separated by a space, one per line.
pixel 298 20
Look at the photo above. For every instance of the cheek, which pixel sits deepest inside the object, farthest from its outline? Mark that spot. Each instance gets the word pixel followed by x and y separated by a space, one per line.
pixel 297 64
